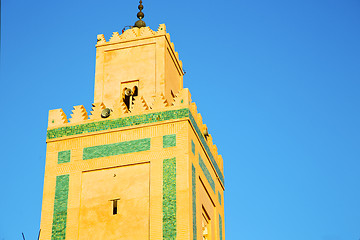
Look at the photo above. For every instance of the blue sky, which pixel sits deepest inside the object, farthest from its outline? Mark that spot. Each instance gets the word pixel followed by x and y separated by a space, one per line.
pixel 277 83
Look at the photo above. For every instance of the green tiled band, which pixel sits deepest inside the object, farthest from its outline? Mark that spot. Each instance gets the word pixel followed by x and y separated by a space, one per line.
pixel 117 123
pixel 64 156
pixel 133 121
pixel 169 199
pixel 169 141
pixel 203 141
pixel 220 227
pixel 207 173
pixel 60 207
pixel 193 176
pixel 116 148
pixel 219 196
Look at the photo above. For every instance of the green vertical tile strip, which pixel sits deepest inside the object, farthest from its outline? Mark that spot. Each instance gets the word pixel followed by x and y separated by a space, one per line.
pixel 64 156
pixel 219 196
pixel 207 173
pixel 203 141
pixel 220 227
pixel 193 147
pixel 116 148
pixel 194 202
pixel 169 199
pixel 169 141
pixel 60 207
pixel 133 121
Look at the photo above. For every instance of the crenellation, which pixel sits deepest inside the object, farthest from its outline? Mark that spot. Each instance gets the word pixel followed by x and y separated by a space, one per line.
pixel 161 29
pixel 101 39
pixel 210 141
pixel 119 108
pixel 57 117
pixel 212 146
pixel 182 98
pixel 140 105
pixel 201 125
pixel 138 33
pixel 96 111
pixel 221 163
pixel 167 35
pixel 131 33
pixel 181 66
pixel 79 114
pixel 159 102
pixel 193 109
pixel 115 37
pixel 146 32
pixel 207 140
pixel 155 127
pixel 215 151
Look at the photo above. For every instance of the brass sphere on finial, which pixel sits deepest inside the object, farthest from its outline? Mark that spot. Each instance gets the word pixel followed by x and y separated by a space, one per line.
pixel 140 23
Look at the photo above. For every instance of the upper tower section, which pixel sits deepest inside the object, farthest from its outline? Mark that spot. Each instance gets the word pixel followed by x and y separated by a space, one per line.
pixel 141 60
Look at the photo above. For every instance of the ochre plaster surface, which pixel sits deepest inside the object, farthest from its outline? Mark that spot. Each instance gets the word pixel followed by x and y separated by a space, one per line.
pixel 137 54
pixel 128 185
pixel 136 175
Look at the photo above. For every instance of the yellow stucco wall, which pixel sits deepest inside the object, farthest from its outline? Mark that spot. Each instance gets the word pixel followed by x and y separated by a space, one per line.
pixel 137 54
pixel 153 157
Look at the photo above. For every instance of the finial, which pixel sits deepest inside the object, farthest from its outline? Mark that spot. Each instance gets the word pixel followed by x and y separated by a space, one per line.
pixel 140 23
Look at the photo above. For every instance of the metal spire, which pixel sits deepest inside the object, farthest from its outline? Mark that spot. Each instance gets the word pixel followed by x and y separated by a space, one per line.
pixel 140 23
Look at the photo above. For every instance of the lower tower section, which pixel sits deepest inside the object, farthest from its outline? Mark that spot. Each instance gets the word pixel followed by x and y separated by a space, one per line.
pixel 141 166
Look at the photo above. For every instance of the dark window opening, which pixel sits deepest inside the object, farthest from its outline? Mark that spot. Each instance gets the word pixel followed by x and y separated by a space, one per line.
pixel 135 90
pixel 129 96
pixel 114 206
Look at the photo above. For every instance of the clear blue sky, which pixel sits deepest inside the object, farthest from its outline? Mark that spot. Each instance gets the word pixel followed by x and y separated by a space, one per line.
pixel 277 83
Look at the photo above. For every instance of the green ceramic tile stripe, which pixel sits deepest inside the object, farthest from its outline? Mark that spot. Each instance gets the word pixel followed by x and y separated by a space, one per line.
pixel 117 123
pixel 203 141
pixel 220 227
pixel 207 173
pixel 64 156
pixel 60 207
pixel 194 202
pixel 133 121
pixel 116 148
pixel 219 196
pixel 193 147
pixel 169 141
pixel 169 199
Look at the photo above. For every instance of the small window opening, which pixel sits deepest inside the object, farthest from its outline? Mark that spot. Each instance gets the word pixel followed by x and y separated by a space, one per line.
pixel 115 206
pixel 129 96
pixel 135 90
pixel 205 225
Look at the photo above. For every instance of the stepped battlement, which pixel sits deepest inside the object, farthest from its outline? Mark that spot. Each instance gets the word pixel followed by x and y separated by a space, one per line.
pixel 140 164
pixel 137 34
pixel 140 112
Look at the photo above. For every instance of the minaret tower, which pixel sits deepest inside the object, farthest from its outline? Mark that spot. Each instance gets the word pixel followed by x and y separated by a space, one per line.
pixel 141 165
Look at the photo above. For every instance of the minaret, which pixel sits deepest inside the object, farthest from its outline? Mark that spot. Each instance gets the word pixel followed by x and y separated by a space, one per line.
pixel 142 164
